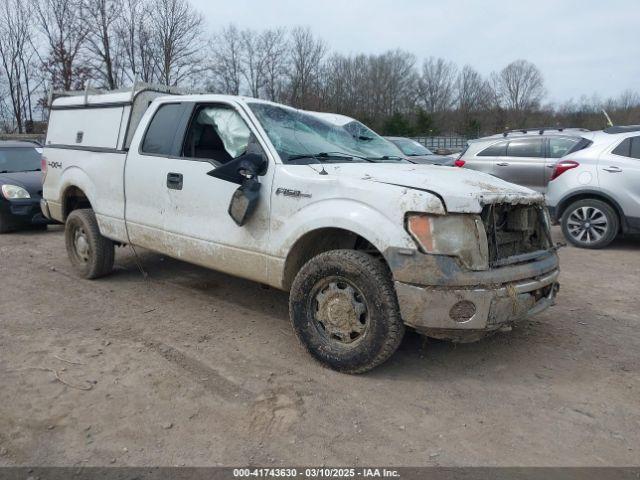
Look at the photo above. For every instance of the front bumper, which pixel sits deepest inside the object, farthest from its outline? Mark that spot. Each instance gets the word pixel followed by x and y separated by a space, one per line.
pixel 23 212
pixel 469 314
pixel 440 299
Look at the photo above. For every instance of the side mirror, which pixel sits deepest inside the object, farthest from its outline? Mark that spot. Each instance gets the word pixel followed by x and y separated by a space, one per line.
pixel 239 169
pixel 244 201
pixel 244 171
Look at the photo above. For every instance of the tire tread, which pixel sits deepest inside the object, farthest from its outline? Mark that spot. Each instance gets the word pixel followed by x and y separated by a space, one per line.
pixel 379 274
pixel 103 248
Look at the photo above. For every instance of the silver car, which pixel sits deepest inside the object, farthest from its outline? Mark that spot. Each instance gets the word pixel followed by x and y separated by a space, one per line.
pixel 525 157
pixel 595 192
pixel 418 153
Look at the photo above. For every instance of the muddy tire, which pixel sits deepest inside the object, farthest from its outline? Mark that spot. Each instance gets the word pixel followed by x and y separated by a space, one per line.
pixel 344 310
pixel 90 253
pixel 590 223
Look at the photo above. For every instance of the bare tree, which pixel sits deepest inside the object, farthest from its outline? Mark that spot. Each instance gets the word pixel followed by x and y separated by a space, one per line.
pixel 307 53
pixel 252 58
pixel 65 32
pixel 262 56
pixel 226 62
pixel 177 32
pixel 276 48
pixel 18 59
pixel 520 86
pixel 437 84
pixel 134 35
pixel 472 90
pixel 103 40
pixel 393 82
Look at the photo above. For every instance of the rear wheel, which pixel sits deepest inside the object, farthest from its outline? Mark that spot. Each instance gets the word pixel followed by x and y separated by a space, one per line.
pixel 90 253
pixel 590 223
pixel 344 310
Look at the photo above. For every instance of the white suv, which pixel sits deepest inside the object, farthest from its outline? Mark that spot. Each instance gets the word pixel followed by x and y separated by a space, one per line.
pixel 595 193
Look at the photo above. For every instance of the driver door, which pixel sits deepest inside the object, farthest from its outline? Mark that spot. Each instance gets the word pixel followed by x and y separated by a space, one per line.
pixel 196 223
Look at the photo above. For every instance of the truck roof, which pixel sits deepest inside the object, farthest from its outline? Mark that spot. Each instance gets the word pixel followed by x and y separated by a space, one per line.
pixel 93 99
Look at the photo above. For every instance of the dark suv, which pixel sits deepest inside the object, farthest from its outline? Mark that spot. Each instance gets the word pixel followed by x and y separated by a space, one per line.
pixel 20 186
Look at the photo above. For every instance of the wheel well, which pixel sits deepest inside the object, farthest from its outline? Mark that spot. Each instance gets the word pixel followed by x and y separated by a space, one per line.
pixel 322 240
pixel 596 196
pixel 73 199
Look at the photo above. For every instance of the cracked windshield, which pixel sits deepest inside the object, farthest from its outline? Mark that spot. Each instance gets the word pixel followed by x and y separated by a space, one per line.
pixel 304 137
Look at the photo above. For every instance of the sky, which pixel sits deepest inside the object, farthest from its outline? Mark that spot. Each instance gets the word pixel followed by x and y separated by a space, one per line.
pixel 581 47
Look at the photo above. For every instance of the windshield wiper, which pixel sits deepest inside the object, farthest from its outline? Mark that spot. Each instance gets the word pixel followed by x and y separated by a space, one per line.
pixel 385 157
pixel 329 155
pixel 5 171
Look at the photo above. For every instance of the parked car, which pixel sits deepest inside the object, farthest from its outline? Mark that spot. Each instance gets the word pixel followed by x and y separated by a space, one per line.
pixel 366 138
pixel 365 242
pixel 20 186
pixel 418 153
pixel 595 192
pixel 525 157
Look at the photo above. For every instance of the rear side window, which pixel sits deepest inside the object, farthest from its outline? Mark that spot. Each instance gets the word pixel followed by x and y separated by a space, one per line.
pixel 623 149
pixel 525 148
pixel 496 150
pixel 559 146
pixel 159 137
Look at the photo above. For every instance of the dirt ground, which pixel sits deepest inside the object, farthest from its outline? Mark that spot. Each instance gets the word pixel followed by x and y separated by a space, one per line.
pixel 193 367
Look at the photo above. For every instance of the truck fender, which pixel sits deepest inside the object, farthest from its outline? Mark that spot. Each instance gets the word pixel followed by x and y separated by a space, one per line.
pixel 360 219
pixel 76 177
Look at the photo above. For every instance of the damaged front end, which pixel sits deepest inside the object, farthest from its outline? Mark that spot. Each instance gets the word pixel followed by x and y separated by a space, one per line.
pixel 491 270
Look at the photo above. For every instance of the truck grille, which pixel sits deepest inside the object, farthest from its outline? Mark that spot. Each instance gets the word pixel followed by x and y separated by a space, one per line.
pixel 515 233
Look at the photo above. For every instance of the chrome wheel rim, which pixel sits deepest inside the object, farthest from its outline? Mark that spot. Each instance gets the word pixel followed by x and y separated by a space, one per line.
pixel 81 245
pixel 339 311
pixel 587 224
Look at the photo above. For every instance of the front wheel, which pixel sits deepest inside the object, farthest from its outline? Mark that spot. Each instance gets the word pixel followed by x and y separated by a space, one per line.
pixel 590 223
pixel 344 310
pixel 90 253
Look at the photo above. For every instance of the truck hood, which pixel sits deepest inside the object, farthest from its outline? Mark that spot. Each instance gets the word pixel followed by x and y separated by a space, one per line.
pixel 461 190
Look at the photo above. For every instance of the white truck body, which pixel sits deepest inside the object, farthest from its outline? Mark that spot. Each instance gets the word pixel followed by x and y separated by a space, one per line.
pixel 303 209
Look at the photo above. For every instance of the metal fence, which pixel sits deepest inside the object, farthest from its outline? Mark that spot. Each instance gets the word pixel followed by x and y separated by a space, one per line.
pixel 448 142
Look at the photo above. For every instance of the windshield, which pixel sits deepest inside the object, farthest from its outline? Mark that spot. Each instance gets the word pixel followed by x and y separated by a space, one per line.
pixel 301 137
pixel 19 159
pixel 411 147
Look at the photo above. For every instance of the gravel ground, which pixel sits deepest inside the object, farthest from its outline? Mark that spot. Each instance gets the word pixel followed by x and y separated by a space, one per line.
pixel 193 367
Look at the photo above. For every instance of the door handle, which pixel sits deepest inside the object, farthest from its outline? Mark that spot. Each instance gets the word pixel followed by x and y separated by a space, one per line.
pixel 551 165
pixel 502 164
pixel 612 169
pixel 174 181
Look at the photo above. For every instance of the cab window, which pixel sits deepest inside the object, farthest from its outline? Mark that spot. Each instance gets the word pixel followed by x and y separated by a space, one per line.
pixel 216 132
pixel 158 139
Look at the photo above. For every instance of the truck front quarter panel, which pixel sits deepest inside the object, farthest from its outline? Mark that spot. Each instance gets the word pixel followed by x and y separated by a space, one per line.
pixel 374 211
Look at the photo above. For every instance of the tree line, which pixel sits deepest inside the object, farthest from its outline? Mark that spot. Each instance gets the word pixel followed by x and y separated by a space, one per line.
pixel 65 44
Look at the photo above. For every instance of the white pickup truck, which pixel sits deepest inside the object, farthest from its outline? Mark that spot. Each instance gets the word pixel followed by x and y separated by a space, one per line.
pixel 365 242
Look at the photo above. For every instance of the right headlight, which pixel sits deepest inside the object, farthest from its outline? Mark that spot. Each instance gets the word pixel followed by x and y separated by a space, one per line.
pixel 457 235
pixel 12 192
